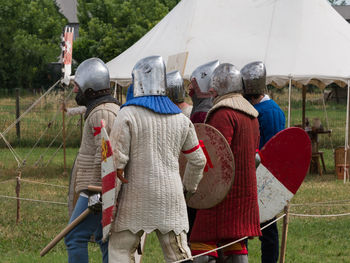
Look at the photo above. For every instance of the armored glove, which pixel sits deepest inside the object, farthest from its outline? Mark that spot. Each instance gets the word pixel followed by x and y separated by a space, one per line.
pixel 95 203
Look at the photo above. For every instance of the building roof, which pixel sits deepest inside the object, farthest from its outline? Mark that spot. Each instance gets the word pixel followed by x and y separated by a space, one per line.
pixel 69 9
pixel 343 10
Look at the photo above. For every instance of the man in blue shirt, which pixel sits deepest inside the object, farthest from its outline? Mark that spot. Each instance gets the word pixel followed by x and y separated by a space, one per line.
pixel 271 121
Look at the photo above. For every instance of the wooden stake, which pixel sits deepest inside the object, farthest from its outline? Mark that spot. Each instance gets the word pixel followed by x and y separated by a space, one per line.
pixel 284 234
pixel 18 189
pixel 81 126
pixel 65 231
pixel 64 137
pixel 93 188
pixel 18 125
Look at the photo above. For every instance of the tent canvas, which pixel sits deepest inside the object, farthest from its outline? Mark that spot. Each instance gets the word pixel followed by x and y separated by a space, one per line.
pixel 299 39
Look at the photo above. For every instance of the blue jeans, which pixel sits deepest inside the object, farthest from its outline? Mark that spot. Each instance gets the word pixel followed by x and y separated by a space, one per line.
pixel 77 240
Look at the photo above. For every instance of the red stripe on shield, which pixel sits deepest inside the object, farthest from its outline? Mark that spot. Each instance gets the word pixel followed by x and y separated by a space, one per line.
pixel 107 216
pixel 209 163
pixel 108 182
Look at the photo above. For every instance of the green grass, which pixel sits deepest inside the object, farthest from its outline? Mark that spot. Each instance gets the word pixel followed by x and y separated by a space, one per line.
pixel 309 239
pixel 35 122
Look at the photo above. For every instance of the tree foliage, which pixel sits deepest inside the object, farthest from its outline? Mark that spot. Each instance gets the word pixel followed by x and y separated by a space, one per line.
pixel 337 2
pixel 108 27
pixel 30 38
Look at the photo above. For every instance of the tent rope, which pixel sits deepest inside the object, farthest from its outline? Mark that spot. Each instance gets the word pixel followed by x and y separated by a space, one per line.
pixel 46 129
pixel 30 108
pixel 15 155
pixel 54 154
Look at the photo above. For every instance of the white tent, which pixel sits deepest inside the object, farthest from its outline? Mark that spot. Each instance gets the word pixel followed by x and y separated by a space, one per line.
pixel 298 39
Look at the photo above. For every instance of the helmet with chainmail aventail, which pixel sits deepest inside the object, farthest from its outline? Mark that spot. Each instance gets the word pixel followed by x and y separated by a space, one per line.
pixel 175 87
pixel 254 78
pixel 149 77
pixel 92 76
pixel 226 78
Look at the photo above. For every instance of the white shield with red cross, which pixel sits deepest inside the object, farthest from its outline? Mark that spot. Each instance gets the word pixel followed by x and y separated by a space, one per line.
pixel 219 172
pixel 108 176
pixel 285 160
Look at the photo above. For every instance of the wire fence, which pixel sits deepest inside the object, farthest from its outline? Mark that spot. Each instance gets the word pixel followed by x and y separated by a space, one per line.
pixel 32 129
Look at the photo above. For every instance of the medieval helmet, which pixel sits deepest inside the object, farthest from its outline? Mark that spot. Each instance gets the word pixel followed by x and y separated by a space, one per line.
pixel 226 78
pixel 254 78
pixel 149 77
pixel 175 86
pixel 202 76
pixel 92 74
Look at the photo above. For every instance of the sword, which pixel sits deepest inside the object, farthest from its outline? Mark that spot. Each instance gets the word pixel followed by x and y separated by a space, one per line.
pixel 72 225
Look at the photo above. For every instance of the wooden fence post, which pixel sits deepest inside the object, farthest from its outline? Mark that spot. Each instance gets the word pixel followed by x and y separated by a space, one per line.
pixel 18 189
pixel 64 134
pixel 284 234
pixel 18 125
pixel 81 126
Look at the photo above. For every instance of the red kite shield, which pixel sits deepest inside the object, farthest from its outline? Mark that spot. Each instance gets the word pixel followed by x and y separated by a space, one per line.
pixel 285 160
pixel 219 172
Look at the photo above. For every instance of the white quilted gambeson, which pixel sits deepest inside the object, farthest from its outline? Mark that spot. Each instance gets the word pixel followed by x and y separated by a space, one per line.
pixel 147 146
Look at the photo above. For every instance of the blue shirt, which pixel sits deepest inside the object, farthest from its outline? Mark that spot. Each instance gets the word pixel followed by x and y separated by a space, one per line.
pixel 271 120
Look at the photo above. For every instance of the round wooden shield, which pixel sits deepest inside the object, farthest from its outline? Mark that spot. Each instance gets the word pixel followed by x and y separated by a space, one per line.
pixel 219 173
pixel 285 160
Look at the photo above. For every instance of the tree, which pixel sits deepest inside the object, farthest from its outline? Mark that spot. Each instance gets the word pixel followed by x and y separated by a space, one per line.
pixel 108 27
pixel 337 2
pixel 30 38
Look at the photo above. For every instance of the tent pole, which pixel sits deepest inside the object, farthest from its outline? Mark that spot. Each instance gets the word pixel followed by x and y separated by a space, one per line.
pixel 289 98
pixel 303 107
pixel 346 134
pixel 115 90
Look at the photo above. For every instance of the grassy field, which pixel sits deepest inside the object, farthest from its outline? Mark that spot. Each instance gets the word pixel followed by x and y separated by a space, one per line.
pixel 309 239
pixel 45 118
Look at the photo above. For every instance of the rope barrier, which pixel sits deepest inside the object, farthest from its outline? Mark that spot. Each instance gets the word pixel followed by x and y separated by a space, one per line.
pixel 33 200
pixel 327 205
pixel 6 181
pixel 34 182
pixel 306 215
pixel 229 244
pixel 317 203
pixel 30 108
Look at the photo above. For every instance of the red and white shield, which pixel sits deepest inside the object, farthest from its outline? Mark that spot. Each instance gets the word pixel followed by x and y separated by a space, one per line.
pixel 108 176
pixel 219 172
pixel 285 160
